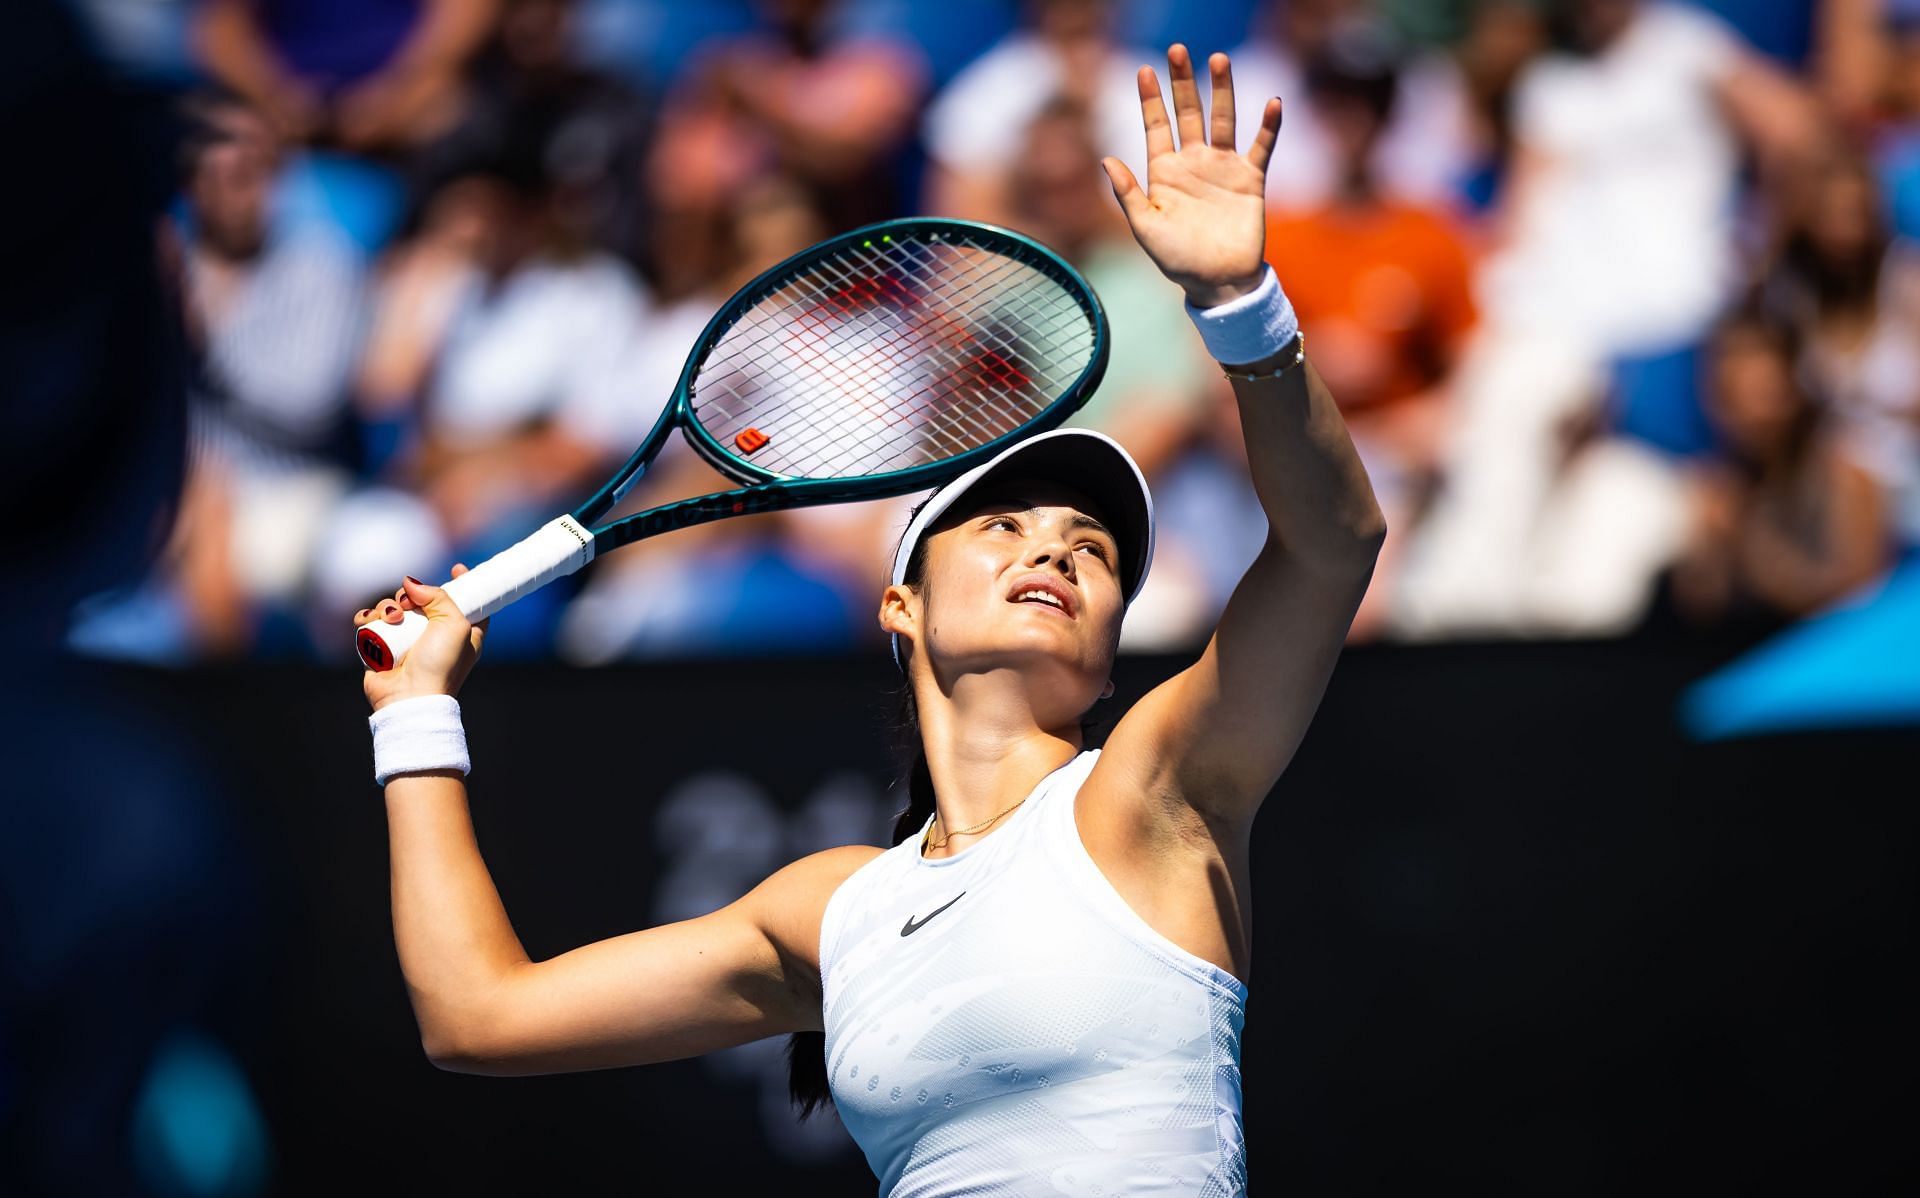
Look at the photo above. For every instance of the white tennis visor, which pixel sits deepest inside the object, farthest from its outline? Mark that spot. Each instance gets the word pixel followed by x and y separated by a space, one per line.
pixel 1091 462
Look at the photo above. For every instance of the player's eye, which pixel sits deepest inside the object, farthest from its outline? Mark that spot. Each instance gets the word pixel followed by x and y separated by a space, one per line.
pixel 1001 522
pixel 1099 550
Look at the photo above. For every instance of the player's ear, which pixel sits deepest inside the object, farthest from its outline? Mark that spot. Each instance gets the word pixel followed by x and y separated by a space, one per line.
pixel 1106 692
pixel 898 611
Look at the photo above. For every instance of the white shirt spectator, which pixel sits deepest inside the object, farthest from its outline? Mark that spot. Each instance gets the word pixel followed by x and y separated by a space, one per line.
pixel 548 343
pixel 973 123
pixel 1623 235
pixel 1422 156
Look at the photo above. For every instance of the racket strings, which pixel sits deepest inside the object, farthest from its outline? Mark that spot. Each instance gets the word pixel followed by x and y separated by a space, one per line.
pixel 985 378
pixel 891 355
pixel 968 430
pixel 860 382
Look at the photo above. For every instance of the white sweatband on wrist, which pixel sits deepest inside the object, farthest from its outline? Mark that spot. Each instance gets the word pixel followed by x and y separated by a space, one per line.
pixel 1252 328
pixel 417 734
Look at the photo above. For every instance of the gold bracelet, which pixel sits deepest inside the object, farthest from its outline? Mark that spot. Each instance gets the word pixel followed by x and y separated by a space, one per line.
pixel 1300 355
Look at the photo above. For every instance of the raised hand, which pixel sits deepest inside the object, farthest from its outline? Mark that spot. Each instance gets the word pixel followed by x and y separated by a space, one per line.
pixel 1202 215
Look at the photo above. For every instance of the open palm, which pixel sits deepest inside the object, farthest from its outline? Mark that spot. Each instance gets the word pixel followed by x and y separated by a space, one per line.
pixel 1202 215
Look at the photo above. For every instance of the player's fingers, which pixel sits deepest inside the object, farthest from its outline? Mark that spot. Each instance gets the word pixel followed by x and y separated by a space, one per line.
pixel 1153 113
pixel 459 568
pixel 1261 151
pixel 1126 189
pixel 1221 126
pixel 390 611
pixel 1187 116
pixel 431 602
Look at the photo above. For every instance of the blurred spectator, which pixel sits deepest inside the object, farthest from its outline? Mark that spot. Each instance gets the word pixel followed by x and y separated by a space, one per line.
pixel 1618 243
pixel 1790 523
pixel 833 113
pixel 1855 293
pixel 1426 151
pixel 1861 48
pixel 1066 49
pixel 1501 38
pixel 1629 147
pixel 597 124
pixel 508 335
pixel 1383 288
pixel 1870 76
pixel 804 580
pixel 365 74
pixel 275 318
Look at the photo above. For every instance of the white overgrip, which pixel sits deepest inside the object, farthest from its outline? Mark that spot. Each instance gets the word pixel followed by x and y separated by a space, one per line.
pixel 556 549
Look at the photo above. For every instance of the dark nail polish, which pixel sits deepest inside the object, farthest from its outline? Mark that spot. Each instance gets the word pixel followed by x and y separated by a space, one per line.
pixel 415 581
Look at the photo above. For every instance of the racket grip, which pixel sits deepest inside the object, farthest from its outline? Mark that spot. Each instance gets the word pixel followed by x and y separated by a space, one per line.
pixel 557 549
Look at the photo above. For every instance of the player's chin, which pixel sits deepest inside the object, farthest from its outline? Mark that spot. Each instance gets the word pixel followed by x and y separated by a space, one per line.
pixel 1063 657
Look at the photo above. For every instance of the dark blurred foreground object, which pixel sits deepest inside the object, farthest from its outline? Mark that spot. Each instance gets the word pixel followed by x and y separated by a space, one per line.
pixel 117 888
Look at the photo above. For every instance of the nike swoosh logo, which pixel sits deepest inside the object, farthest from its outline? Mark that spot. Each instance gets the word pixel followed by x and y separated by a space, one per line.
pixel 914 925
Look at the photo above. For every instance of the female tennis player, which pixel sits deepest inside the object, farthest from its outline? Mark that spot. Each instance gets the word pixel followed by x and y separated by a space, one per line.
pixel 1040 989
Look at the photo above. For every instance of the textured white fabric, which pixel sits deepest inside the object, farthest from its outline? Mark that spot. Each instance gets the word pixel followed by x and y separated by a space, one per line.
pixel 421 733
pixel 1249 329
pixel 1001 1022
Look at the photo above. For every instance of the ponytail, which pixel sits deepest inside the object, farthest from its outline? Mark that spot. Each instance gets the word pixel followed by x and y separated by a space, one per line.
pixel 807 1051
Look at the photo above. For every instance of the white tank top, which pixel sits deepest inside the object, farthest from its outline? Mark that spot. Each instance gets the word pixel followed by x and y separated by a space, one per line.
pixel 1001 1022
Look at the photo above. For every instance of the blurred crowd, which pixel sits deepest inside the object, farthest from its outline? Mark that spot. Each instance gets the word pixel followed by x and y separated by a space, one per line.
pixel 1617 295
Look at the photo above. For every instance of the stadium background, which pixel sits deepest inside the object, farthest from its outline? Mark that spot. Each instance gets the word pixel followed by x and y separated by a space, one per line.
pixel 1595 869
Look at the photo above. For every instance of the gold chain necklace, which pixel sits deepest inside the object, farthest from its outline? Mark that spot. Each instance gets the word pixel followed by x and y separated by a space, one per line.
pixel 926 842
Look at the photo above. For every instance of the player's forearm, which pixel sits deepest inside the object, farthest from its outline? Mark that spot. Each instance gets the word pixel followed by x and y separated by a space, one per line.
pixel 229 42
pixel 447 35
pixel 1319 503
pixel 455 942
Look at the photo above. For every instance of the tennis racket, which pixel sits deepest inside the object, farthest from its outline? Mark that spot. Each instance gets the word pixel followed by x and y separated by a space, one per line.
pixel 886 360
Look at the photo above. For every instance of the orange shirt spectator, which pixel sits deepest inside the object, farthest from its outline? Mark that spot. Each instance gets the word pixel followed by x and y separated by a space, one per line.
pixel 1383 289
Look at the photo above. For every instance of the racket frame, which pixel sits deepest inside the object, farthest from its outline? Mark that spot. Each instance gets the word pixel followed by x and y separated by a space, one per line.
pixel 766 490
pixel 569 542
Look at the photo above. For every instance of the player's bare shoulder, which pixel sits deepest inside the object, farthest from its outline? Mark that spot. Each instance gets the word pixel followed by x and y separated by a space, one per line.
pixel 791 903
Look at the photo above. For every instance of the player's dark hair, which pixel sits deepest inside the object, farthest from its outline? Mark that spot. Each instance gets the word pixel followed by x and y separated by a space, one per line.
pixel 807 1051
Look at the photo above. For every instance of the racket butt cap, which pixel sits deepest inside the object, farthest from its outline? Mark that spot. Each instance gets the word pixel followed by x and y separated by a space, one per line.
pixel 382 646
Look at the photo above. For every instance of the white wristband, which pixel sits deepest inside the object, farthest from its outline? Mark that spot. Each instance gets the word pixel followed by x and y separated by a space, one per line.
pixel 421 733
pixel 1249 329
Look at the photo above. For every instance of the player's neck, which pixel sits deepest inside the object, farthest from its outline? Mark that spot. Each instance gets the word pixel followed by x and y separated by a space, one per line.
pixel 985 753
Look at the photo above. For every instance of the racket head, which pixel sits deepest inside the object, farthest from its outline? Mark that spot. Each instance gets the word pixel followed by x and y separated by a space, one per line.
pixel 890 359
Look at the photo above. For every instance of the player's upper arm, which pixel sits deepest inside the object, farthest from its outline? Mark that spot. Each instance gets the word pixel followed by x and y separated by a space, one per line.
pixel 1216 736
pixel 744 972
